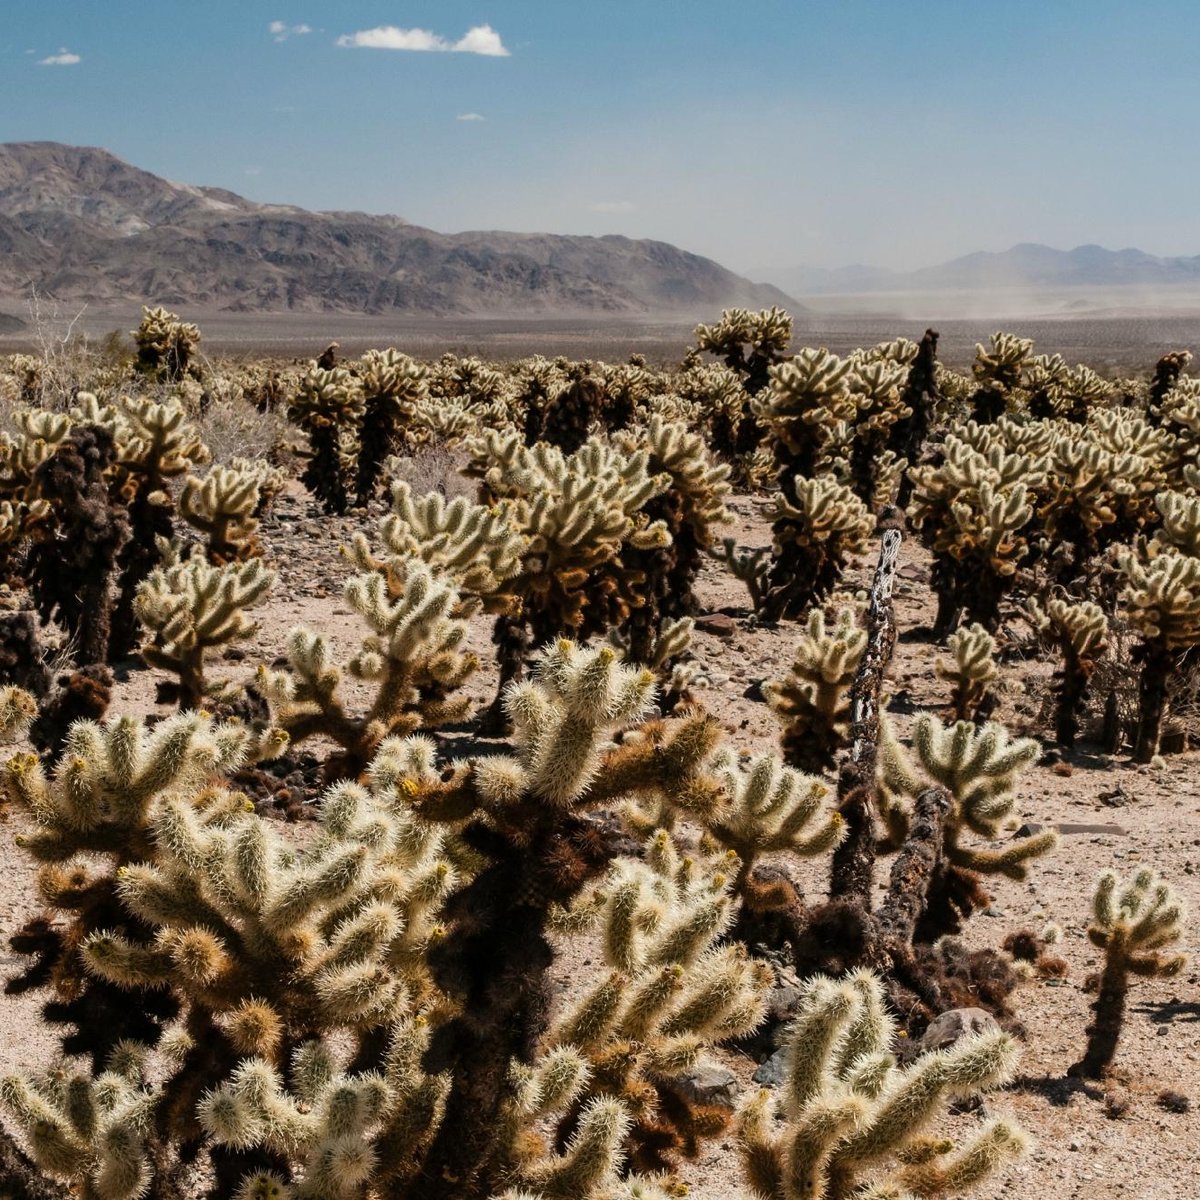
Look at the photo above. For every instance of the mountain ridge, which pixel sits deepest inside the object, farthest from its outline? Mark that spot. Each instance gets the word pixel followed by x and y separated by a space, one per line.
pixel 1025 265
pixel 81 224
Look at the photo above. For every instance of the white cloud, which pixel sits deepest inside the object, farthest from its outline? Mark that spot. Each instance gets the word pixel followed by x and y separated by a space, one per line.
pixel 479 39
pixel 64 58
pixel 252 171
pixel 281 30
pixel 471 116
pixel 613 206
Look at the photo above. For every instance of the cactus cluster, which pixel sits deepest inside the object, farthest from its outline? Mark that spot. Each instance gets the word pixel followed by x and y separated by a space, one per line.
pixel 190 607
pixel 849 1122
pixel 812 703
pixel 498 974
pixel 971 668
pixel 978 766
pixel 414 657
pixel 165 345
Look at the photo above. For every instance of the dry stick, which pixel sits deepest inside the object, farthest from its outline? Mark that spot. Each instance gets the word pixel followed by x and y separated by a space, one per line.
pixel 853 867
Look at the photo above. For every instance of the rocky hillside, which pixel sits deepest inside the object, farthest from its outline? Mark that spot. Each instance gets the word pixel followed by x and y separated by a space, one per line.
pixel 82 225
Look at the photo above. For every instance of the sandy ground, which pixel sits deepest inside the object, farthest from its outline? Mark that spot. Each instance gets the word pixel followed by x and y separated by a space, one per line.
pixel 1080 1153
pixel 1114 336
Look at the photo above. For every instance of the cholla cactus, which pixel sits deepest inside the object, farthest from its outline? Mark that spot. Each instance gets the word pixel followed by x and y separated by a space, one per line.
pixel 879 388
pixel 165 345
pixel 689 508
pixel 155 443
pixel 748 342
pixel 1089 488
pixel 978 766
pixel 328 407
pixel 90 1133
pixel 191 607
pixel 717 396
pixel 1131 924
pixel 475 546
pixel 267 947
pixel 1079 631
pixel 1179 411
pixel 102 800
pixel 671 991
pixel 415 656
pixel 343 1133
pixel 578 515
pixel 526 813
pixel 971 667
pixel 1167 372
pixel 997 372
pixel 769 809
pixel 17 522
pixel 38 435
pixel 1162 601
pixel 1180 528
pixel 71 567
pixel 1045 375
pixel 809 394
pixel 849 1122
pixel 222 507
pixel 669 658
pixel 970 509
pixel 17 712
pixel 1058 390
pixel 447 421
pixel 629 388
pixel 812 702
pixel 333 937
pixel 105 790
pixel 539 383
pixel 813 538
pixel 394 387
pixel 1080 394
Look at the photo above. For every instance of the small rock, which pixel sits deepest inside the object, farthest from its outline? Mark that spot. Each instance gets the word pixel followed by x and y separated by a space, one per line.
pixel 783 1003
pixel 708 1083
pixel 773 1072
pixel 718 624
pixel 951 1027
pixel 1068 827
pixel 1115 797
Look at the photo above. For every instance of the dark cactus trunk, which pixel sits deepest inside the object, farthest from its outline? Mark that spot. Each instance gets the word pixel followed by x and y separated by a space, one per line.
pixel 1108 1015
pixel 494 964
pixel 1157 664
pixel 378 437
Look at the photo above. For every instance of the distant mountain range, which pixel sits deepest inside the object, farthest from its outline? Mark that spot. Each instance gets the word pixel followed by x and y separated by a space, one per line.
pixel 79 224
pixel 1027 265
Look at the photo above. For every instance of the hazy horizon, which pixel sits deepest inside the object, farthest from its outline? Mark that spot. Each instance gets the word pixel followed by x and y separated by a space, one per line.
pixel 866 132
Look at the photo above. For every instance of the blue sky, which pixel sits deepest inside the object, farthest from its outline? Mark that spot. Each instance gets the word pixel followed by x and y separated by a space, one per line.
pixel 760 133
